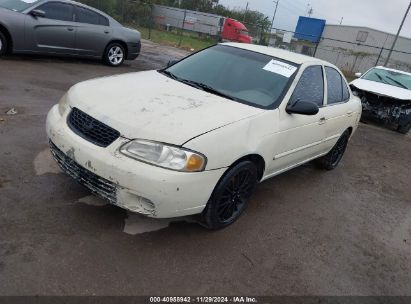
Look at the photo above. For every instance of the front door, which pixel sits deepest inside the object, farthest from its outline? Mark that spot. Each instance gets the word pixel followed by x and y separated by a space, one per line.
pixel 300 137
pixel 54 33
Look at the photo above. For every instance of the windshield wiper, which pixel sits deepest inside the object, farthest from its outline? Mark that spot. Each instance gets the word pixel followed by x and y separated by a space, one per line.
pixel 207 88
pixel 198 85
pixel 171 75
pixel 397 82
pixel 380 78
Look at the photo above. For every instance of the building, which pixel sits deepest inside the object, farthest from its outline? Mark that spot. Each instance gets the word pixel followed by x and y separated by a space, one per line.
pixel 357 49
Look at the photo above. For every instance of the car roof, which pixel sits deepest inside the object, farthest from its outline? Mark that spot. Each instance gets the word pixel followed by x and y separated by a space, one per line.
pixel 392 70
pixel 40 2
pixel 278 53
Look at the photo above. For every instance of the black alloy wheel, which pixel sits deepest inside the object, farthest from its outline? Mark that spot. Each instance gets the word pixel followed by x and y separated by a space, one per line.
pixel 231 196
pixel 333 158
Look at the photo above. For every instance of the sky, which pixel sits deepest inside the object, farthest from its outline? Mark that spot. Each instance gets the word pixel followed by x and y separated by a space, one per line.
pixel 385 15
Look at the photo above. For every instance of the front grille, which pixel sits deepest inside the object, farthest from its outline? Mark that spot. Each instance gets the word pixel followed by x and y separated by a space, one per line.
pixel 96 184
pixel 91 129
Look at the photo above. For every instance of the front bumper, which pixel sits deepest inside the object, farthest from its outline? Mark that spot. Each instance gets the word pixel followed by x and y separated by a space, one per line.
pixel 125 182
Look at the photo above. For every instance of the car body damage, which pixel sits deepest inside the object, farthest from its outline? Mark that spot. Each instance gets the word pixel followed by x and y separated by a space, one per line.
pixel 391 111
pixel 386 97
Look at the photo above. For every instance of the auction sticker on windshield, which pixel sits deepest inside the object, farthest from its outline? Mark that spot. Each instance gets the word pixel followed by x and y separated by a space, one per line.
pixel 281 68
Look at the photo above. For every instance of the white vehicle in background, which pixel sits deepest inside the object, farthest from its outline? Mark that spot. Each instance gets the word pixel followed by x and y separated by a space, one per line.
pixel 197 136
pixel 386 96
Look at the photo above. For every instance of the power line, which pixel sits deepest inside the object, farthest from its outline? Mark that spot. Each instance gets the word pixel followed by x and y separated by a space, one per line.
pixel 293 5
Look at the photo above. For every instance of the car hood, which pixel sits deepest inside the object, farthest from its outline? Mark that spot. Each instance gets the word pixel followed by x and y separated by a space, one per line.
pixel 382 89
pixel 149 105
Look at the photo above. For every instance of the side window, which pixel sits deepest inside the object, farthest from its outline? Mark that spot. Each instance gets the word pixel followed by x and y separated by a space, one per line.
pixel 310 87
pixel 103 21
pixel 346 92
pixel 337 88
pixel 84 15
pixel 57 11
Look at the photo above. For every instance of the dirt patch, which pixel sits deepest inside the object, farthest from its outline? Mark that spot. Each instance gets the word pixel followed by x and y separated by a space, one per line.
pixel 93 200
pixel 44 163
pixel 4 182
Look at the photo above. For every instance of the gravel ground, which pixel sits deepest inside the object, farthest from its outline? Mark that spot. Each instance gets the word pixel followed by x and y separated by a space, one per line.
pixel 306 232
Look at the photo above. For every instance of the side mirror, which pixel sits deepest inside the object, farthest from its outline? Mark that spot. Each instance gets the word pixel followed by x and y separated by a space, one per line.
pixel 172 62
pixel 303 108
pixel 358 75
pixel 38 13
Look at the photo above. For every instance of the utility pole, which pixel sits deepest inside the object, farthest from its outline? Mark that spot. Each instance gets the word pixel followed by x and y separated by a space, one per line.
pixel 245 13
pixel 275 13
pixel 398 34
pixel 310 12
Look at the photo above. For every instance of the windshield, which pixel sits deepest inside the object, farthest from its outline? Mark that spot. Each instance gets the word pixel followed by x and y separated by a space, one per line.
pixel 243 32
pixel 244 76
pixel 393 78
pixel 17 5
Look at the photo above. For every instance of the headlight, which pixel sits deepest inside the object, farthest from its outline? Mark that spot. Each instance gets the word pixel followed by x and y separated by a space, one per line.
pixel 164 156
pixel 63 104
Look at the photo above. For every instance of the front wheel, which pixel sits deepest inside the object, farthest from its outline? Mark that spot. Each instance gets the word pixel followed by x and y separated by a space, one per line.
pixel 3 44
pixel 333 158
pixel 231 196
pixel 115 55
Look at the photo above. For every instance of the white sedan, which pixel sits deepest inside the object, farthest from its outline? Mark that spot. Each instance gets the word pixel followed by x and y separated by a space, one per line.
pixel 386 96
pixel 197 136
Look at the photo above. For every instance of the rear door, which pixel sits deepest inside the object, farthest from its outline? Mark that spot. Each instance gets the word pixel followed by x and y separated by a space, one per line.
pixel 55 33
pixel 93 32
pixel 339 110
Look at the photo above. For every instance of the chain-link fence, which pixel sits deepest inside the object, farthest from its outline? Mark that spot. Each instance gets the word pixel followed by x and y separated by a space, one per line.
pixel 349 56
pixel 168 25
pixel 194 30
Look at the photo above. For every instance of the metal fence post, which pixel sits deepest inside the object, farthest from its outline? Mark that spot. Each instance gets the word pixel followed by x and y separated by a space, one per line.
pixel 122 11
pixel 261 34
pixel 150 21
pixel 182 28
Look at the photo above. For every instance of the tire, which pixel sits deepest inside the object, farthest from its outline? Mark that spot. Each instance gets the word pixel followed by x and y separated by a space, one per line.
pixel 230 197
pixel 3 44
pixel 114 55
pixel 332 159
pixel 404 129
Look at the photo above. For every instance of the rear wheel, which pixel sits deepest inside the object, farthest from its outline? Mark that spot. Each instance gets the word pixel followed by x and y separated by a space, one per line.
pixel 3 44
pixel 231 196
pixel 333 158
pixel 115 55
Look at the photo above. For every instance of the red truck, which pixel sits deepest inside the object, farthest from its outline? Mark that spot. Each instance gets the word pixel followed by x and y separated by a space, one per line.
pixel 234 30
pixel 202 23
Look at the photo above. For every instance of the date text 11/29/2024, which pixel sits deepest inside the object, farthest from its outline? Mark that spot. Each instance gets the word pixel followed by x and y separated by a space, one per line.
pixel 203 300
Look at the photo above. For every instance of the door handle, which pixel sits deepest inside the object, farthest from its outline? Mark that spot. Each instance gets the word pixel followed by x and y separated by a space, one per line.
pixel 322 120
pixel 350 113
pixel 70 29
pixel 106 32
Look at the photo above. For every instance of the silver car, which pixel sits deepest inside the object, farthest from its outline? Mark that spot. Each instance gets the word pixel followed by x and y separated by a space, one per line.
pixel 63 27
